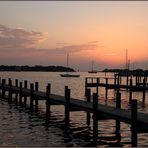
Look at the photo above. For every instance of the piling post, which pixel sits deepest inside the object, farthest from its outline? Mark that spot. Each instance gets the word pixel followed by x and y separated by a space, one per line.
pixel 86 81
pixel 136 79
pixel 97 88
pixel 120 78
pixel 95 120
pixel 88 97
pixel 130 91
pixel 127 78
pixel 106 91
pixel 36 89
pixel 31 96
pixel 3 88
pixel 118 106
pixel 134 123
pixel 25 98
pixel 118 83
pixel 16 94
pixel 48 92
pixel 115 80
pixel 10 91
pixel 20 94
pixel 67 105
pixel 143 100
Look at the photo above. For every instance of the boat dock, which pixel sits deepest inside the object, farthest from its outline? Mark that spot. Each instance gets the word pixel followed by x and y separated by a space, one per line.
pixel 19 92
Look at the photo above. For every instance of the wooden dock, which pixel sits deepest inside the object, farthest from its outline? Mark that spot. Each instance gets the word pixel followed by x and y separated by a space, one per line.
pixel 19 93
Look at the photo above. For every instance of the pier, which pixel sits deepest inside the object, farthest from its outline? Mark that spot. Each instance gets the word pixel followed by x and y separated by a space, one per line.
pixel 20 94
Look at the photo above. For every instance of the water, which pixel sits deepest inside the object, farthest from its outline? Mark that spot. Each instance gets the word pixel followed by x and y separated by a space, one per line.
pixel 18 127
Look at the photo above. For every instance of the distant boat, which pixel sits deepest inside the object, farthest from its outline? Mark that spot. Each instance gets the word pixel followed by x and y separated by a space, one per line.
pixel 67 74
pixel 92 70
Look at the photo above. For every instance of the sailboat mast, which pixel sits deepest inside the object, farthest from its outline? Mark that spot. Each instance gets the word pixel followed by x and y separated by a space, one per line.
pixel 92 65
pixel 67 60
pixel 126 62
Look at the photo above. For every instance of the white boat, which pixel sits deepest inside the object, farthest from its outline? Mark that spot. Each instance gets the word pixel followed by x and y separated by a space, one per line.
pixel 92 70
pixel 67 74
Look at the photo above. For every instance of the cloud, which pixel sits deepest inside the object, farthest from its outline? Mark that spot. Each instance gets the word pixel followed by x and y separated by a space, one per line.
pixel 19 38
pixel 74 48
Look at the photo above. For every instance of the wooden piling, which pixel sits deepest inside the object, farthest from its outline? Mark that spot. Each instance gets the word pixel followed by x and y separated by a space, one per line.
pixel 130 90
pixel 3 88
pixel 118 106
pixel 31 96
pixel 115 80
pixel 136 80
pixel 106 90
pixel 144 84
pixel 118 83
pixel 127 78
pixel 10 90
pixel 36 89
pixel 25 98
pixel 134 122
pixel 20 94
pixel 95 119
pixel 88 97
pixel 97 88
pixel 16 94
pixel 67 105
pixel 120 79
pixel 86 81
pixel 48 92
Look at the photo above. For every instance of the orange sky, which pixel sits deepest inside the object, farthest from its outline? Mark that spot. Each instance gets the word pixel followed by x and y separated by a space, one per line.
pixel 43 33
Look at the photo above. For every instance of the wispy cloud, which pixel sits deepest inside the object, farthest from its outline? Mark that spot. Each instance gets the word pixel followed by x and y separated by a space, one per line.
pixel 19 38
pixel 74 48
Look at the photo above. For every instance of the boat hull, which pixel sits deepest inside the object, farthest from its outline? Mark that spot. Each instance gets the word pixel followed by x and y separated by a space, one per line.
pixel 69 75
pixel 92 71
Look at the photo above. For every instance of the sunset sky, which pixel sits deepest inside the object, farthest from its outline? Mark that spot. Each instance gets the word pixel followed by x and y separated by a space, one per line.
pixel 42 33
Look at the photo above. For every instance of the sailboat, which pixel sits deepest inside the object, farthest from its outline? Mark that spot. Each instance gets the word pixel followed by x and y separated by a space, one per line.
pixel 92 70
pixel 67 74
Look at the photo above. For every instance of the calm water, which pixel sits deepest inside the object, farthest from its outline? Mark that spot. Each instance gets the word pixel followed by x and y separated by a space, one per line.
pixel 18 127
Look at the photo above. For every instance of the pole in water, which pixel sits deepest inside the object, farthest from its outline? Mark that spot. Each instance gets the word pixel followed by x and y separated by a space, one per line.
pixel 95 119
pixel 31 96
pixel 67 105
pixel 48 91
pixel 88 97
pixel 134 122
